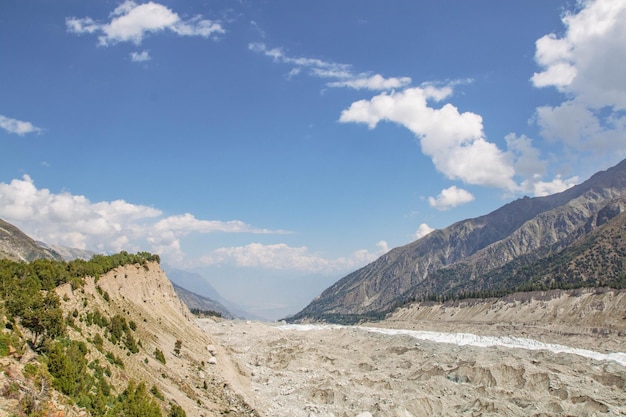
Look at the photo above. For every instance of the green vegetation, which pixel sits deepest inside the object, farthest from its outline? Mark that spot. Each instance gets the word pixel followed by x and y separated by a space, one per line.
pixel 29 304
pixel 205 313
pixel 177 411
pixel 135 402
pixel 158 355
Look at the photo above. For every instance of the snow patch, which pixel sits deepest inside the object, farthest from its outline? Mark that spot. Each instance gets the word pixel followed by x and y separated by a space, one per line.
pixel 468 339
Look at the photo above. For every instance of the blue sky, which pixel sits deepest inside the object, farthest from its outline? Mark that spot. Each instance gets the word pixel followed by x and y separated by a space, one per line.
pixel 276 146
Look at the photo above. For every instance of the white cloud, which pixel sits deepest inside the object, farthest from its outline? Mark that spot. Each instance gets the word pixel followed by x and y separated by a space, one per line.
pixel 331 70
pixel 142 56
pixel 450 197
pixel 541 188
pixel 74 221
pixel 579 127
pixel 423 230
pixel 528 162
pixel 18 127
pixel 131 22
pixel 373 82
pixel 283 257
pixel 454 141
pixel 585 63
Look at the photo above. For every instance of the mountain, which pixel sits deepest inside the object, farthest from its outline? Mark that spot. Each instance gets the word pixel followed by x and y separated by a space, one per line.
pixel 68 254
pixel 15 245
pixel 198 302
pixel 472 255
pixel 197 285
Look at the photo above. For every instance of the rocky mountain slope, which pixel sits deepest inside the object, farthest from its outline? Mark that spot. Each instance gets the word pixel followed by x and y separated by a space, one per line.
pixel 132 327
pixel 460 259
pixel 203 304
pixel 68 254
pixel 17 246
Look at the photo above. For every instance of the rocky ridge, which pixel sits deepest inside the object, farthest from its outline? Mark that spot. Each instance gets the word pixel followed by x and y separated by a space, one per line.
pixel 459 258
pixel 17 246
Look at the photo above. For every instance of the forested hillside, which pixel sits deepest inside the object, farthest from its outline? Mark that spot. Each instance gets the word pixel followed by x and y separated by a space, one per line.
pixel 71 342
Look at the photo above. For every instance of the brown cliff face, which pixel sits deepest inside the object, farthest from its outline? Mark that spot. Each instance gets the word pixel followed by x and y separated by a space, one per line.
pixel 462 257
pixel 202 380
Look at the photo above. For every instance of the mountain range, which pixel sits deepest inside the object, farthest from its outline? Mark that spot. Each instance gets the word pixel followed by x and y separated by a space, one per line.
pixel 529 243
pixel 15 245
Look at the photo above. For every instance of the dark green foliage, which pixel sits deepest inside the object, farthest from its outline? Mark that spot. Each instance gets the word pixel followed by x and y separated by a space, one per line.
pixel 110 356
pixel 96 318
pixel 205 313
pixel 135 402
pixel 177 411
pixel 120 331
pixel 98 342
pixel 5 341
pixel 158 355
pixel 157 393
pixel 67 364
pixel 117 327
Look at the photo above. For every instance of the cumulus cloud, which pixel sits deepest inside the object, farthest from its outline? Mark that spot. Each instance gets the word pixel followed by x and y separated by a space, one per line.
pixel 106 226
pixel 284 257
pixel 540 188
pixel 142 56
pixel 341 73
pixel 18 127
pixel 423 230
pixel 585 63
pixel 131 22
pixel 454 141
pixel 450 197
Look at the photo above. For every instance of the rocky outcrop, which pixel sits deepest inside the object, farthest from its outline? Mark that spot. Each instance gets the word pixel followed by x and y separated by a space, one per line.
pixel 459 258
pixel 17 246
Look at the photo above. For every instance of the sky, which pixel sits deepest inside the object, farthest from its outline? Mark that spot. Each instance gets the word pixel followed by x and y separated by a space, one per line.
pixel 275 146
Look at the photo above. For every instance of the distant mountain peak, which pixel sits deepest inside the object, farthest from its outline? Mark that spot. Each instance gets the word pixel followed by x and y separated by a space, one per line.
pixel 17 246
pixel 462 258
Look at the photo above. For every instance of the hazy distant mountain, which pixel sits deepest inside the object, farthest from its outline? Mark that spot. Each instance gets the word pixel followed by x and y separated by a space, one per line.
pixel 69 254
pixel 196 301
pixel 198 285
pixel 17 246
pixel 487 253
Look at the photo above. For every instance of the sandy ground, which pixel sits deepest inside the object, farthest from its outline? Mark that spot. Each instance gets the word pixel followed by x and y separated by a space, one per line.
pixel 351 372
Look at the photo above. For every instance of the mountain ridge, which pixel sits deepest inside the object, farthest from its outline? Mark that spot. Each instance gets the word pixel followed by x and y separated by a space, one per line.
pixel 537 226
pixel 17 246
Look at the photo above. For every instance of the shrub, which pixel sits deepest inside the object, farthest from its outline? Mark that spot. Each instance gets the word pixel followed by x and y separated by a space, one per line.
pixel 159 356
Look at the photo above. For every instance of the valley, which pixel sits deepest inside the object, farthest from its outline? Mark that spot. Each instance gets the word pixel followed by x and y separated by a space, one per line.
pixel 379 370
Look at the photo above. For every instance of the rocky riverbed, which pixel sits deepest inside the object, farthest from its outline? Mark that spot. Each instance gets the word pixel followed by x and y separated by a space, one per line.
pixel 321 371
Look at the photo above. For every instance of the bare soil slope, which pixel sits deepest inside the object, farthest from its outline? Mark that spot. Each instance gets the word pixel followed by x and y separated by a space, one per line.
pixel 145 296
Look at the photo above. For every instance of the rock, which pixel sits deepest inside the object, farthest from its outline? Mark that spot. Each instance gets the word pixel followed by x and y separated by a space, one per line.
pixel 213 360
